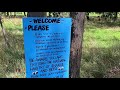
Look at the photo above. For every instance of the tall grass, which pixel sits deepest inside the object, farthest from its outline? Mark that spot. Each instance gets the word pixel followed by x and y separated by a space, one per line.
pixel 100 55
pixel 101 51
pixel 12 59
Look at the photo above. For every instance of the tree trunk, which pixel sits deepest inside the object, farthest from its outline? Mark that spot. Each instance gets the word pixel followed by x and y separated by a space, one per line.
pixel 76 43
pixel 4 34
pixel 87 16
pixel 7 14
pixel 14 14
pixel 24 14
pixel 37 14
pixel 115 16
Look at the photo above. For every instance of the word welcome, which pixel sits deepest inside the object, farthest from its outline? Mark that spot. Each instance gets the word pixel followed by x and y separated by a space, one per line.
pixel 47 20
pixel 42 27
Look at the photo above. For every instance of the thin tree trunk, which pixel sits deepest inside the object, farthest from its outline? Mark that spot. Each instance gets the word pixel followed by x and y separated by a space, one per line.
pixel 7 14
pixel 116 16
pixel 76 43
pixel 37 14
pixel 87 15
pixel 24 14
pixel 14 14
pixel 4 33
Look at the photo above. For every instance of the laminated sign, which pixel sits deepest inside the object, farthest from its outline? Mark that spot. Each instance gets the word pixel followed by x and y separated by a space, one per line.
pixel 47 47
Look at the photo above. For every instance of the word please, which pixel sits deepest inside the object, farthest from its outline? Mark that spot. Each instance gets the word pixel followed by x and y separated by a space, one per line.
pixel 38 27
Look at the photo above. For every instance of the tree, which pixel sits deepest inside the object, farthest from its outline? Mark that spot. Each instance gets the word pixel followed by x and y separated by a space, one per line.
pixel 4 34
pixel 115 16
pixel 108 15
pixel 87 16
pixel 54 14
pixel 76 43
pixel 7 14
pixel 24 13
pixel 14 14
pixel 36 14
pixel 76 40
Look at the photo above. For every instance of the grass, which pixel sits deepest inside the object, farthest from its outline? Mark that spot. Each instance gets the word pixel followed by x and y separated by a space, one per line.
pixel 12 59
pixel 100 53
pixel 96 14
pixel 13 24
pixel 93 14
pixel 101 50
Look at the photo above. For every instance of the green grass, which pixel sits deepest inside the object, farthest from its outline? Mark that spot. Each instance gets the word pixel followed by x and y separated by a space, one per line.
pixel 13 24
pixel 94 14
pixel 101 50
pixel 100 54
pixel 12 59
pixel 18 14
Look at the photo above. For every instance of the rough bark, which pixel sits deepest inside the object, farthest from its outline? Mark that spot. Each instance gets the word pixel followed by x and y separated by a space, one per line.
pixel 76 43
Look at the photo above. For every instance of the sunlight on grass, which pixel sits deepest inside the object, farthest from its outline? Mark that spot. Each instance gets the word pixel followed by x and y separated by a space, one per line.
pixel 101 50
pixel 13 25
pixel 100 53
pixel 12 58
